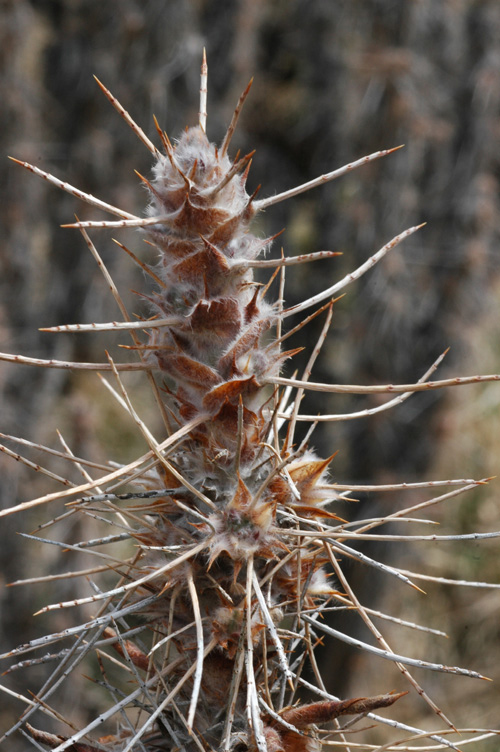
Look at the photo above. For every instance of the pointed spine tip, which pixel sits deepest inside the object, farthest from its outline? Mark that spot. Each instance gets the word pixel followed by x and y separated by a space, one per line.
pixel 234 120
pixel 395 148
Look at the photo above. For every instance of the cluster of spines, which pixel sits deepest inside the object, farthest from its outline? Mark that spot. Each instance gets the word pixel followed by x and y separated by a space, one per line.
pixel 207 341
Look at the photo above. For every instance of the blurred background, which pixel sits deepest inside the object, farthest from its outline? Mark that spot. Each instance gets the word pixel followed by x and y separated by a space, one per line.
pixel 334 80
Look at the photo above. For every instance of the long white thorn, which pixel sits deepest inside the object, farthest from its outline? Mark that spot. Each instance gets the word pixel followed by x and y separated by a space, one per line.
pixel 351 552
pixel 447 581
pixel 121 472
pixel 107 276
pixel 198 674
pixel 97 621
pixel 305 377
pixel 133 125
pixel 113 326
pixel 87 197
pixel 69 453
pixel 239 661
pixel 130 586
pixel 286 261
pixel 35 466
pixel 171 636
pixel 72 365
pixel 400 486
pixel 54 452
pixel 272 629
pixel 369 411
pixel 132 222
pixel 345 535
pixel 380 639
pixel 252 705
pixel 384 388
pixel 483 735
pixel 426 504
pixel 265 202
pixel 388 655
pixel 353 275
pixel 394 619
pixel 202 115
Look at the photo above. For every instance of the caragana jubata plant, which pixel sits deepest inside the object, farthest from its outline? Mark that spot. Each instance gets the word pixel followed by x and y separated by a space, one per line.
pixel 238 542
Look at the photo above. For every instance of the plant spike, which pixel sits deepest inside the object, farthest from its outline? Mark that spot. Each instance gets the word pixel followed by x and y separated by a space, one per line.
pixel 87 197
pixel 202 117
pixel 230 525
pixel 271 200
pixel 71 365
pixel 234 120
pixel 420 386
pixel 123 112
pixel 353 276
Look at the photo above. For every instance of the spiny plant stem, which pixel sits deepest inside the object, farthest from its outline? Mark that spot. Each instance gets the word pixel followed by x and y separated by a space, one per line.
pixel 217 608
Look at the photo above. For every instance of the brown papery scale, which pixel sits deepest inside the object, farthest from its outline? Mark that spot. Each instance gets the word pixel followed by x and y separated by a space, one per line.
pixel 235 547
